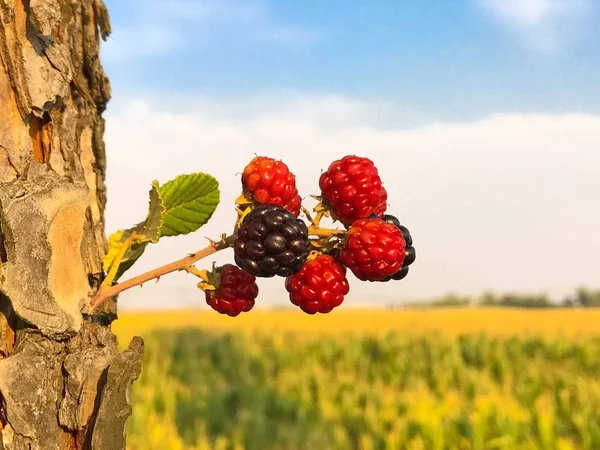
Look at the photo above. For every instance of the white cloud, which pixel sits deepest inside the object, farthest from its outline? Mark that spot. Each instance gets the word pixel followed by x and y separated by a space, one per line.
pixel 161 27
pixel 508 202
pixel 541 25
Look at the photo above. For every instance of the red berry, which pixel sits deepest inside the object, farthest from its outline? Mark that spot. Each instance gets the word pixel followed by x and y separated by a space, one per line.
pixel 270 182
pixel 235 293
pixel 320 285
pixel 374 249
pixel 382 206
pixel 351 188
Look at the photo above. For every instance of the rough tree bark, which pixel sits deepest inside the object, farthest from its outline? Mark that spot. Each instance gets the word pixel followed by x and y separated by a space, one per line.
pixel 63 384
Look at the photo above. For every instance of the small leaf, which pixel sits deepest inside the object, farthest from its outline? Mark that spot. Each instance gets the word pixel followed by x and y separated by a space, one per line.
pixel 190 201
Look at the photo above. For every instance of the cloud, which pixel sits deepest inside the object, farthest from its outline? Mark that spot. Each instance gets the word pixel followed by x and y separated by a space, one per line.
pixel 508 202
pixel 164 27
pixel 542 25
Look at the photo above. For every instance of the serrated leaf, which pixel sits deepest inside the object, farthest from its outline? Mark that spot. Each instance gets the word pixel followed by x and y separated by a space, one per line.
pixel 190 201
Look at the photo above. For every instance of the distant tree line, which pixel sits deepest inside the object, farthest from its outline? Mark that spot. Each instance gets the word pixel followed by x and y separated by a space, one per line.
pixel 582 298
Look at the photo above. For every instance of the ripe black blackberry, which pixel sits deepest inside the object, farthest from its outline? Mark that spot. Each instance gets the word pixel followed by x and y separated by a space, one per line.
pixel 271 241
pixel 411 254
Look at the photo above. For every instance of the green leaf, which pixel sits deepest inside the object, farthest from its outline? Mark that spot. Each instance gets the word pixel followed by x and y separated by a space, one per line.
pixel 190 201
pixel 146 232
pixel 180 206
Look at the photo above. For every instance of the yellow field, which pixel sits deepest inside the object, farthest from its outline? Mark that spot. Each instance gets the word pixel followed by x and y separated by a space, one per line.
pixel 454 321
pixel 439 379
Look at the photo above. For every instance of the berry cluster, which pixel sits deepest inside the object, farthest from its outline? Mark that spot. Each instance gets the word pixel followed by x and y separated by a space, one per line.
pixel 272 241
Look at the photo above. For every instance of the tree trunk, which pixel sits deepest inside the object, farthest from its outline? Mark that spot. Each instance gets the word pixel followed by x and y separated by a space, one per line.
pixel 63 384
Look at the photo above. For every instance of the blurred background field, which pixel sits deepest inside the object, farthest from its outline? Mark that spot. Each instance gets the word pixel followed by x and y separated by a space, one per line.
pixel 426 378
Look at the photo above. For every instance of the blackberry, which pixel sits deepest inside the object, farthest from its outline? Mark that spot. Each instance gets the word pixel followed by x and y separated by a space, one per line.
pixel 351 189
pixel 271 241
pixel 236 291
pixel 320 286
pixel 373 249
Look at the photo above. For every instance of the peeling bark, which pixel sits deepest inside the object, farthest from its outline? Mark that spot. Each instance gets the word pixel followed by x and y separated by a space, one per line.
pixel 63 384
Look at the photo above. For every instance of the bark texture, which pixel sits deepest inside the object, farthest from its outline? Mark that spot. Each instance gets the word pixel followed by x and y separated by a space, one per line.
pixel 63 383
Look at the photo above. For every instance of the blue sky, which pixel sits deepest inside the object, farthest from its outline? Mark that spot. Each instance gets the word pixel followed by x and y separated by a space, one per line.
pixel 440 59
pixel 483 117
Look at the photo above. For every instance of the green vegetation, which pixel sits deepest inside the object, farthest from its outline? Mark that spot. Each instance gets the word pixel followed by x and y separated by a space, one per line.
pixel 263 391
pixel 583 297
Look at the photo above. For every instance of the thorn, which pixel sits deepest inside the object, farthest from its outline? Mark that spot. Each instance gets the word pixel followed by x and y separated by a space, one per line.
pixel 157 280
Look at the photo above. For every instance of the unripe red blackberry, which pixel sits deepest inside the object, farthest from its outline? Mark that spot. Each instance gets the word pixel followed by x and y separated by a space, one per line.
pixel 351 189
pixel 270 182
pixel 236 291
pixel 320 285
pixel 373 250
pixel 271 241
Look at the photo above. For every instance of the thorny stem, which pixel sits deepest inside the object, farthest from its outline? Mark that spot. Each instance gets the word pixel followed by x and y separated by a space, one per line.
pixel 181 264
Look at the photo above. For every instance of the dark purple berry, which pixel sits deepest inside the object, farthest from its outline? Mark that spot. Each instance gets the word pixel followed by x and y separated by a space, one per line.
pixel 271 242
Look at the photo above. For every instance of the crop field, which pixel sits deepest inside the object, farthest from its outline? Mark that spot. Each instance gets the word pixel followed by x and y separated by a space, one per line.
pixel 367 379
